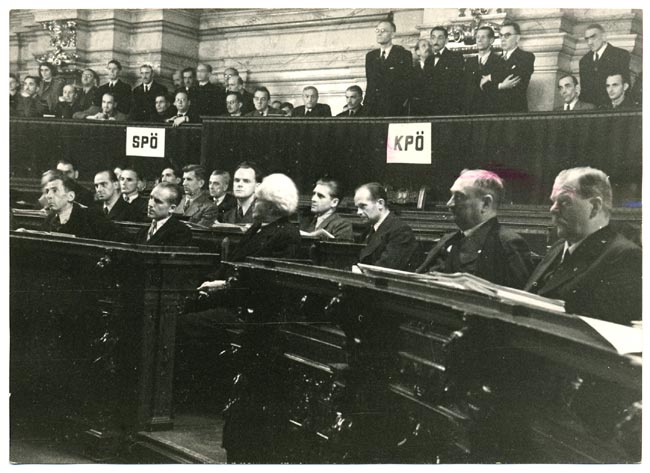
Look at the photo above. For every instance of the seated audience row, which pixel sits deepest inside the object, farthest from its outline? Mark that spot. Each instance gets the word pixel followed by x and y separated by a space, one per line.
pixel 595 270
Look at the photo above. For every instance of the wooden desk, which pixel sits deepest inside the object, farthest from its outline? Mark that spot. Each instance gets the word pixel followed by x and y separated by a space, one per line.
pixel 342 368
pixel 93 329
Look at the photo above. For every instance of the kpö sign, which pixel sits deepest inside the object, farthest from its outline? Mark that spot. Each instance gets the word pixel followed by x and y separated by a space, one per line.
pixel 148 142
pixel 408 143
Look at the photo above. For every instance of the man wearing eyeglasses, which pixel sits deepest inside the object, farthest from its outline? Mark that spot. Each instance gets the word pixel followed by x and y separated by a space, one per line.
pixel 388 73
pixel 512 75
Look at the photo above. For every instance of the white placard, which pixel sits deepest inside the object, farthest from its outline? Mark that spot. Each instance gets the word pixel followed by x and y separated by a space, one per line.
pixel 408 143
pixel 148 142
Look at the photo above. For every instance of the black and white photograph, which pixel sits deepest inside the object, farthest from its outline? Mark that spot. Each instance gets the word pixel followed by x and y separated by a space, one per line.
pixel 324 235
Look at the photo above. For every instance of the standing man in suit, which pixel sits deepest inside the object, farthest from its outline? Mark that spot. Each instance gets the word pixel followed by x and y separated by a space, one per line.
pixel 478 70
pixel 389 241
pixel 617 86
pixel 143 108
pixel 189 81
pixel 164 230
pixel 110 202
pixel 353 99
pixel 116 87
pixel 246 179
pixel 261 101
pixel 326 223
pixel 511 76
pixel 592 268
pixel 388 74
pixel 443 71
pixel 311 108
pixel 481 246
pixel 570 92
pixel 208 98
pixel 130 184
pixel 602 60
pixel 218 187
pixel 196 205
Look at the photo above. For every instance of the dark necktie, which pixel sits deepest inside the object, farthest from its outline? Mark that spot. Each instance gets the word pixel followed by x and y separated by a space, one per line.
pixel 351 113
pixel 308 112
pixel 126 198
pixel 106 211
pixel 596 58
pixel 383 56
pixel 240 214
pixel 186 205
pixel 371 232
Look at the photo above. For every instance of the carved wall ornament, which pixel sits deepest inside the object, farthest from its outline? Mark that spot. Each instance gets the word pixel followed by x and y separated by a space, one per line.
pixel 63 40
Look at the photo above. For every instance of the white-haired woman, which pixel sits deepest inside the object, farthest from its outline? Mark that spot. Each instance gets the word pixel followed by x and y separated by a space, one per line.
pixel 271 235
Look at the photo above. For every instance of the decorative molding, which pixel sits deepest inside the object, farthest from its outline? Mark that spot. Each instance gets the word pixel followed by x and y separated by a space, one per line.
pixel 63 40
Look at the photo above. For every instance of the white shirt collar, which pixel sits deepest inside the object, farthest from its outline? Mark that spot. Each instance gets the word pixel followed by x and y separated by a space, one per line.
pixel 601 50
pixel 64 215
pixel 474 229
pixel 160 223
pixel 387 50
pixel 131 197
pixel 321 218
pixel 381 220
pixel 573 103
pixel 218 200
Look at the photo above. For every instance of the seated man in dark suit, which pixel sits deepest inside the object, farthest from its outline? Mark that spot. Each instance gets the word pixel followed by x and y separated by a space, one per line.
pixel 246 179
pixel 165 230
pixel 592 268
pixel 131 184
pixel 311 108
pixel 482 246
pixel 82 195
pixel 353 99
pixel 164 109
pixel 617 86
pixel 67 217
pixel 171 174
pixel 389 241
pixel 261 101
pixel 326 222
pixel 28 103
pixel 218 187
pixel 89 99
pixel 196 205
pixel 234 104
pixel 109 198
pixel 235 83
pixel 109 110
pixel 185 113
pixel 570 92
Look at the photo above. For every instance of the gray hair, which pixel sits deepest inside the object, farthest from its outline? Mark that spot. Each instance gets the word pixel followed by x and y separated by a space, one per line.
pixel 279 190
pixel 591 182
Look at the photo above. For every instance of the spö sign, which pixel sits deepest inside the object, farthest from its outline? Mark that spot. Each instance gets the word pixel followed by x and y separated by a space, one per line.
pixel 148 142
pixel 408 143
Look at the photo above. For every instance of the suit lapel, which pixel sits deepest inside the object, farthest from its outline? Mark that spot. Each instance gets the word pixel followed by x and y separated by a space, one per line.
pixel 437 249
pixel 543 266
pixel 376 238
